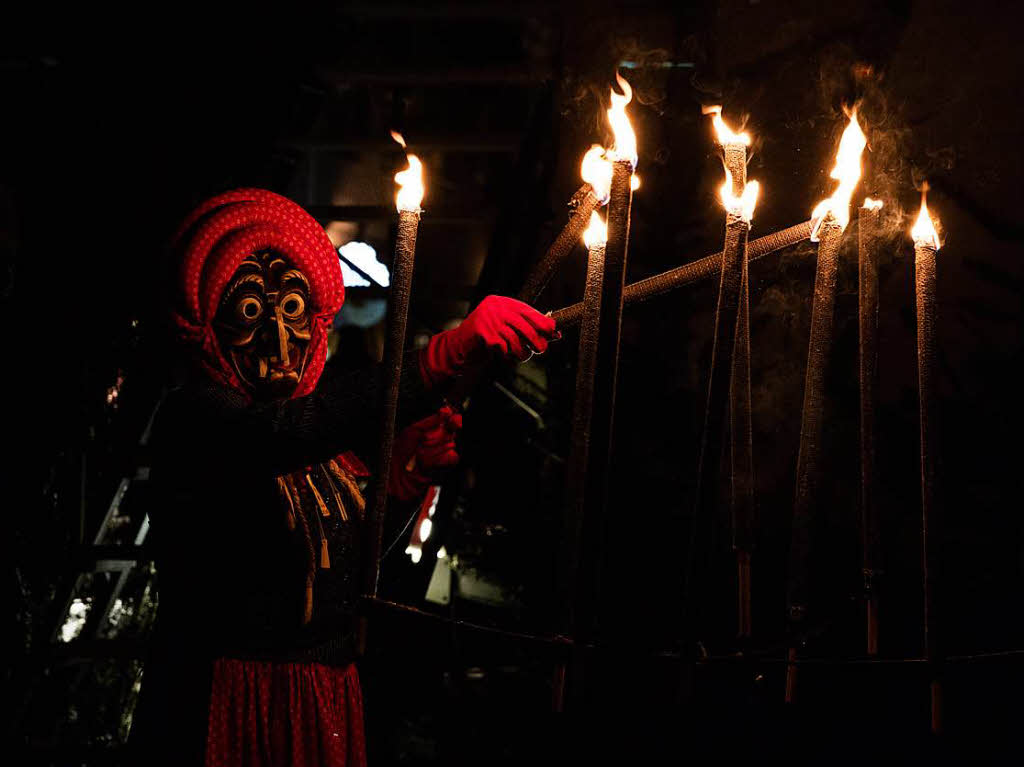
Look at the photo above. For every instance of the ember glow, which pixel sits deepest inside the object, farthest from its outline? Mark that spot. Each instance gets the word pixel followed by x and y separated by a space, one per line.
pixel 742 206
pixel 625 140
pixel 596 232
pixel 596 170
pixel 723 133
pixel 410 181
pixel 870 204
pixel 847 173
pixel 923 231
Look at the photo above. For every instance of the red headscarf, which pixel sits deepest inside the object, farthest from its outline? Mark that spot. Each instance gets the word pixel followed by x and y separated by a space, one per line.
pixel 218 235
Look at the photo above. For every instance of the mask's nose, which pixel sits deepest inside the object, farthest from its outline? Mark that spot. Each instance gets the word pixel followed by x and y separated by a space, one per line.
pixel 282 336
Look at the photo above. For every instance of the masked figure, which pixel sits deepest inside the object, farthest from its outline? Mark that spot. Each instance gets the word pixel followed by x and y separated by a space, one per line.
pixel 257 505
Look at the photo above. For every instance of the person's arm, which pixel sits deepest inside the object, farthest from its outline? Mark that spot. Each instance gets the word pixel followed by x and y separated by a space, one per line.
pixel 223 428
pixel 280 437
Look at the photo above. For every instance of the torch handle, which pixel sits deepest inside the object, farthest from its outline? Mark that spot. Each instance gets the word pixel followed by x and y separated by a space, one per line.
pixel 925 287
pixel 819 351
pixel 563 245
pixel 867 311
pixel 741 447
pixel 741 456
pixel 694 271
pixel 394 344
pixel 579 441
pixel 924 278
pixel 579 452
pixel 709 475
pixel 592 452
pixel 609 327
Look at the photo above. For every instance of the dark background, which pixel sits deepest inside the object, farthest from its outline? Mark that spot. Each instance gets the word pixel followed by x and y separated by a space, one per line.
pixel 117 123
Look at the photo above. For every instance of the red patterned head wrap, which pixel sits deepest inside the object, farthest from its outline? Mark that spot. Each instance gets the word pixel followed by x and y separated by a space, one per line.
pixel 217 236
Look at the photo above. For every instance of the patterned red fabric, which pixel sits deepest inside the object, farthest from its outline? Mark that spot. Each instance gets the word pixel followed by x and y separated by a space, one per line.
pixel 218 235
pixel 323 726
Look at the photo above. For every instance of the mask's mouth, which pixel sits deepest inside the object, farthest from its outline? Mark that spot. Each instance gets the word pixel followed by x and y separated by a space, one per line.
pixel 269 373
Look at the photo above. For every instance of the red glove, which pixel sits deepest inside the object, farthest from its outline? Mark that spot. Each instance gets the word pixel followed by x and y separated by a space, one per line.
pixel 499 326
pixel 423 447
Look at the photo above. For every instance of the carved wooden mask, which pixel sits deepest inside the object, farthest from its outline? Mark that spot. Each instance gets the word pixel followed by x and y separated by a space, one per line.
pixel 263 325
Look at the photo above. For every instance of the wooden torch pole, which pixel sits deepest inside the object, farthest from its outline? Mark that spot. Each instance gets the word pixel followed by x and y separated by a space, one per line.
pixel 741 448
pixel 589 516
pixel 835 213
pixel 394 344
pixel 586 202
pixel 719 387
pixel 694 271
pixel 811 430
pixel 606 370
pixel 579 448
pixel 867 303
pixel 926 243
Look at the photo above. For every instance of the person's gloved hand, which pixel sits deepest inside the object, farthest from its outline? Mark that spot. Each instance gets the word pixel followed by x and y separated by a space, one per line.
pixel 498 327
pixel 421 448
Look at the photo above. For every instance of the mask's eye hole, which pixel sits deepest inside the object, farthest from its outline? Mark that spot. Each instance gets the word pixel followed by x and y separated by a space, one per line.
pixel 249 309
pixel 293 306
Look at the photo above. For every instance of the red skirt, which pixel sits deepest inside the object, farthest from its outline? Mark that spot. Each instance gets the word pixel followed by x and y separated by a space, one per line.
pixel 265 714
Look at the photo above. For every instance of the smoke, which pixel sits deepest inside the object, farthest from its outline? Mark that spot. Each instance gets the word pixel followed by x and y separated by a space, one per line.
pixel 889 172
pixel 649 70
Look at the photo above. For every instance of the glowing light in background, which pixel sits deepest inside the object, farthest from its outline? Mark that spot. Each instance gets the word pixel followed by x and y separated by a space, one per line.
pixel 424 526
pixel 436 490
pixel 364 258
pixel 78 613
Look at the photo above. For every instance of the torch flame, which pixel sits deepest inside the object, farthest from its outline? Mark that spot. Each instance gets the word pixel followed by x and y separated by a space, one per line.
pixel 410 181
pixel 742 206
pixel 846 172
pixel 625 140
pixel 597 231
pixel 597 171
pixel 870 204
pixel 923 231
pixel 723 132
